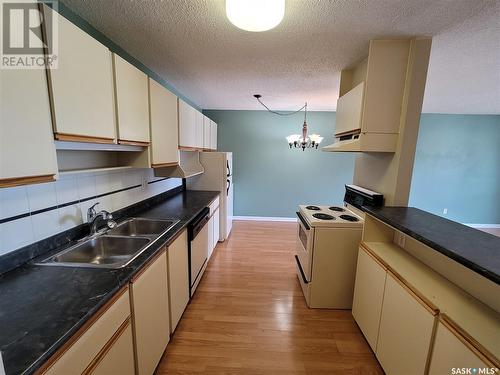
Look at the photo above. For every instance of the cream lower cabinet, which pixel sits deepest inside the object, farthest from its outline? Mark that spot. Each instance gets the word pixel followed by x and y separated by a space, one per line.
pixel 102 347
pixel 368 295
pixel 178 278
pixel 164 126
pixel 405 332
pixel 132 104
pixel 450 351
pixel 150 318
pixel 216 227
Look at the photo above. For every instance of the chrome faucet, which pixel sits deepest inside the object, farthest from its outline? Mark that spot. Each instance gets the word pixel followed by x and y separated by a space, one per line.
pixel 93 217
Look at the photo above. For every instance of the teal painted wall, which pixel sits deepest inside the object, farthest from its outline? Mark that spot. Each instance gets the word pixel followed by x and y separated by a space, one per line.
pixel 457 166
pixel 269 178
pixel 65 11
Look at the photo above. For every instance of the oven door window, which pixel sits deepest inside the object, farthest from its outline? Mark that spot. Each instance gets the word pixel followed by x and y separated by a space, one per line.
pixel 303 236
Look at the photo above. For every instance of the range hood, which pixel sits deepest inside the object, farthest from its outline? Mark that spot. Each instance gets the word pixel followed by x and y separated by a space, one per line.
pixel 189 165
pixel 364 142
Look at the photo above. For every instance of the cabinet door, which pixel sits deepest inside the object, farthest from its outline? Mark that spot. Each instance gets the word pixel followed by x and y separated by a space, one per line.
pixel 211 236
pixel 187 125
pixel 178 278
pixel 132 106
pixel 449 351
pixel 199 130
pixel 150 315
pixel 82 87
pixel 216 227
pixel 164 131
pixel 27 150
pixel 206 133
pixel 368 295
pixel 119 359
pixel 406 328
pixel 213 135
pixel 349 110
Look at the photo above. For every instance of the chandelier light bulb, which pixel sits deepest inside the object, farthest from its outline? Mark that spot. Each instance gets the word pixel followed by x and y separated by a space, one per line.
pixel 255 15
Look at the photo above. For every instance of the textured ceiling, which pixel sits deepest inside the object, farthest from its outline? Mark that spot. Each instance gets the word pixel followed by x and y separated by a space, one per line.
pixel 191 44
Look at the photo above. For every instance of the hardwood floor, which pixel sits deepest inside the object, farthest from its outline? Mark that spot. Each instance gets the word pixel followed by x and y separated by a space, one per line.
pixel 248 316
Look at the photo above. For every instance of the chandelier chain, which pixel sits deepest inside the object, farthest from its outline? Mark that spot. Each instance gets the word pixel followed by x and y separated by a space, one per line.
pixel 282 113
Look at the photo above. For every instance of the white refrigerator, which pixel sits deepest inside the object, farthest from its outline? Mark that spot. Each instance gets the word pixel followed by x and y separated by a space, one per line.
pixel 218 176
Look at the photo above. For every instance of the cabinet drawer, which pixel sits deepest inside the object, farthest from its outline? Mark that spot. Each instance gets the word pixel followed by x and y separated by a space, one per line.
pixel 406 330
pixel 84 347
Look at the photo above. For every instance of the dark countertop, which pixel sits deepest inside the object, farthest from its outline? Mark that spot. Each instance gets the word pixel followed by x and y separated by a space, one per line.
pixel 43 306
pixel 475 249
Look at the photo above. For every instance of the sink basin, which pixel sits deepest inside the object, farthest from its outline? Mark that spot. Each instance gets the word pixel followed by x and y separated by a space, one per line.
pixel 141 227
pixel 102 251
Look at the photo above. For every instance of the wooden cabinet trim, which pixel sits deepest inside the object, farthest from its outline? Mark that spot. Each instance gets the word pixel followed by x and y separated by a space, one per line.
pixel 82 138
pixel 370 253
pixel 102 353
pixel 419 296
pixel 133 143
pixel 144 269
pixel 416 294
pixel 163 165
pixel 469 341
pixel 60 352
pixel 26 180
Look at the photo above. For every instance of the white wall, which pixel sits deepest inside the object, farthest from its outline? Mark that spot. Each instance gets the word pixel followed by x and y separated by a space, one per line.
pixel 68 188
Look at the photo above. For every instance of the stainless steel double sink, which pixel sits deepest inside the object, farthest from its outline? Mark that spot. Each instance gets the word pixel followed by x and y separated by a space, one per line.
pixel 114 248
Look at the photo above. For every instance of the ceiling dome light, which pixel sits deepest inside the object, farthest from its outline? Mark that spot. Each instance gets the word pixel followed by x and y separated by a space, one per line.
pixel 255 15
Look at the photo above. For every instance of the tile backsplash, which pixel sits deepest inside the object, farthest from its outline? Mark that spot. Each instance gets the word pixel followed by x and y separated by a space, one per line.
pixel 34 212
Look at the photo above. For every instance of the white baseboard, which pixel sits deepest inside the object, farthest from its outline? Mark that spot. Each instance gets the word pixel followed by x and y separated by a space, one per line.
pixel 483 225
pixel 264 218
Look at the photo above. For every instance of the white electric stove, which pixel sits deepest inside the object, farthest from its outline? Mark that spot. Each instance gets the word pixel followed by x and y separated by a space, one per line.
pixel 331 216
pixel 327 248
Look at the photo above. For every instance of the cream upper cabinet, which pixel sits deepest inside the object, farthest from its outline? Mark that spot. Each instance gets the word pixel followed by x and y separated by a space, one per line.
pixel 206 133
pixel 27 150
pixel 82 87
pixel 150 307
pixel 406 328
pixel 450 351
pixel 199 130
pixel 368 295
pixel 132 107
pixel 349 110
pixel 187 125
pixel 164 129
pixel 178 278
pixel 213 135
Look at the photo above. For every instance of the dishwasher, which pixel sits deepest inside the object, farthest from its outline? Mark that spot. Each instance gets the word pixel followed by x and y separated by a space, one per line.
pixel 198 248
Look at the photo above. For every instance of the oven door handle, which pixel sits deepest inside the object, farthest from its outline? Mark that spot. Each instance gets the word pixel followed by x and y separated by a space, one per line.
pixel 303 221
pixel 301 270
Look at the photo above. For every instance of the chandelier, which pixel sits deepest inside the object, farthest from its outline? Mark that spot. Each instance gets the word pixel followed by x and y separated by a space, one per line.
pixel 298 141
